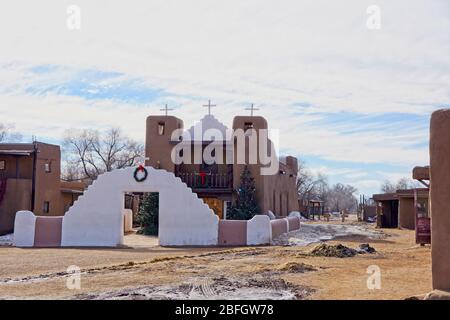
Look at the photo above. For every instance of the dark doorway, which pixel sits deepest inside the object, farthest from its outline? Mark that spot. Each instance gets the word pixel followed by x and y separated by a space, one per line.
pixel 390 214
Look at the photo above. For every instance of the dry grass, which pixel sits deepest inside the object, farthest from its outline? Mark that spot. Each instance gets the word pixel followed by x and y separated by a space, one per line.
pixel 405 268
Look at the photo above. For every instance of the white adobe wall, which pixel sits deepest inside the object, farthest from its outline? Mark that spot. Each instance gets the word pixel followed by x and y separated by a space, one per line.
pixel 259 230
pixel 24 229
pixel 96 218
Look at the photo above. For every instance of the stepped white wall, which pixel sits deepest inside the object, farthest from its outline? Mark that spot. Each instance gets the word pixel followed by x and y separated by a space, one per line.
pixel 96 218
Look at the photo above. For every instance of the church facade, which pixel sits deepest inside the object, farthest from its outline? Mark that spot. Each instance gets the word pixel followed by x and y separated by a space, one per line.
pixel 216 183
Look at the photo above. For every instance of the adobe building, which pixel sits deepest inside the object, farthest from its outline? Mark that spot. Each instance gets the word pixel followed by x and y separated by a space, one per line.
pixel 30 179
pixel 398 210
pixel 217 183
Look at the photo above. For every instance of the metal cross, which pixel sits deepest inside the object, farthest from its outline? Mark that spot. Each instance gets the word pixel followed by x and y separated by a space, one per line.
pixel 209 106
pixel 252 108
pixel 166 109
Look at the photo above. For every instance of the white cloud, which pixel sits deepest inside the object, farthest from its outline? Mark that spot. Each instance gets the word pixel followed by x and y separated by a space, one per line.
pixel 272 53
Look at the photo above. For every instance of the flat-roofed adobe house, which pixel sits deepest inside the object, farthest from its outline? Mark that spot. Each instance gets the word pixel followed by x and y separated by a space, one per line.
pixel 217 183
pixel 399 209
pixel 30 179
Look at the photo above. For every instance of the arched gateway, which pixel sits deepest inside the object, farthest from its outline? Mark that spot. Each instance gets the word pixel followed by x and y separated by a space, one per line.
pixel 96 218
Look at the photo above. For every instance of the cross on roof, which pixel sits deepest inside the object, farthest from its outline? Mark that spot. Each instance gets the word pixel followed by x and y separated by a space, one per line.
pixel 252 108
pixel 209 106
pixel 166 109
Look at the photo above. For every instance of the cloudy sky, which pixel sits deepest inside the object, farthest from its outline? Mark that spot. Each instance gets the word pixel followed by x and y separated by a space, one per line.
pixel 351 101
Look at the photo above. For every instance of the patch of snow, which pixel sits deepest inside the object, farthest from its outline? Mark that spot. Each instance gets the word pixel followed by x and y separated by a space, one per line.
pixel 7 240
pixel 223 289
pixel 313 233
pixel 295 214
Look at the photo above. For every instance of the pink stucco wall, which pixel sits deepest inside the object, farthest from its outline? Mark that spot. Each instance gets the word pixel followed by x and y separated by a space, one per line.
pixel 294 223
pixel 48 232
pixel 232 233
pixel 279 226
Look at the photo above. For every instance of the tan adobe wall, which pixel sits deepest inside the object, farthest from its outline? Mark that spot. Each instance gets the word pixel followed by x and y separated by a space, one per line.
pixel 439 196
pixel 158 147
pixel 48 183
pixel 277 193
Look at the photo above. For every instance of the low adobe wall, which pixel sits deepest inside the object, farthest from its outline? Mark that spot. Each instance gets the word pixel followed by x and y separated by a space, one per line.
pixel 33 231
pixel 256 231
pixel 293 223
pixel 48 231
pixel 232 232
pixel 259 230
pixel 279 226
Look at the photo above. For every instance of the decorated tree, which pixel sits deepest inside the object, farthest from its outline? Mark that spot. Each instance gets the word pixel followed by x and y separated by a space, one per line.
pixel 148 214
pixel 246 206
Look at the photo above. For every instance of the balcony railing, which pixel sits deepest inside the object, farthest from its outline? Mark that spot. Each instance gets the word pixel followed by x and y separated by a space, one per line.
pixel 205 180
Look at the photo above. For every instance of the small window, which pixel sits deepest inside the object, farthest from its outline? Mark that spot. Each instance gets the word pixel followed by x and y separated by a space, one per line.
pixel 46 207
pixel 2 164
pixel 48 167
pixel 161 128
pixel 248 126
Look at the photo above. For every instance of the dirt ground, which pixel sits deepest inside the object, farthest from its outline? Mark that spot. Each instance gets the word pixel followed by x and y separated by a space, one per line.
pixel 143 270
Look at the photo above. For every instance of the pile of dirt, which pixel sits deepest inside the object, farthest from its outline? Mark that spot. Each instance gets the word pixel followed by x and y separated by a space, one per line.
pixel 340 251
pixel 337 251
pixel 366 248
pixel 296 267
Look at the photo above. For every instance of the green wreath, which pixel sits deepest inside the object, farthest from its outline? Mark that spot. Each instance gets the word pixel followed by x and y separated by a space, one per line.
pixel 136 171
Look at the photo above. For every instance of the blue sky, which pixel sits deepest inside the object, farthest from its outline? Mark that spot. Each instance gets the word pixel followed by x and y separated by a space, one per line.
pixel 352 102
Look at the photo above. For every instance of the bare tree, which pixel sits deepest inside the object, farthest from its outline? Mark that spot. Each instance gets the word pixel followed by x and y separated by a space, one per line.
pixel 7 133
pixel 90 153
pixel 341 197
pixel 322 189
pixel 305 182
pixel 3 132
pixel 388 187
pixel 402 184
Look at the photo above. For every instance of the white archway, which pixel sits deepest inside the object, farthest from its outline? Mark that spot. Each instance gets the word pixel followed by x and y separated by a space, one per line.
pixel 96 218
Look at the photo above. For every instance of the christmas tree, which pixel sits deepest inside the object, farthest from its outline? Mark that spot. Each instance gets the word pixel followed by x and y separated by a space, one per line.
pixel 246 206
pixel 148 214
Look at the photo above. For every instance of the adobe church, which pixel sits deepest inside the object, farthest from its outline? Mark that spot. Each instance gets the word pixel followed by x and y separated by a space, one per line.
pixel 217 183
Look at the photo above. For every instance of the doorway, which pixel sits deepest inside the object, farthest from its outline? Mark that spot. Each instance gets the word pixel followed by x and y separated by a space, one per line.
pixel 216 205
